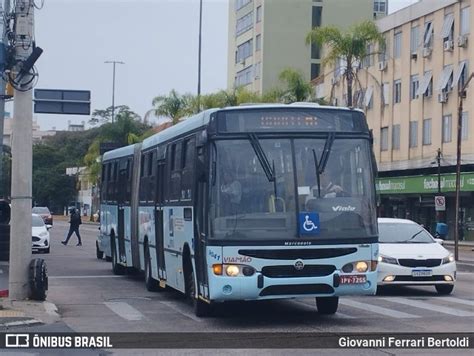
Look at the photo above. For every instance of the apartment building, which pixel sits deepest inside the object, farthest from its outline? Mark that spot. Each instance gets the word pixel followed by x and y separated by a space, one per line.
pixel 267 36
pixel 409 91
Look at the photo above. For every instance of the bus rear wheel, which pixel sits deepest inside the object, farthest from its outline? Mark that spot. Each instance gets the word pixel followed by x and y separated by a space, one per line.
pixel 327 305
pixel 201 308
pixel 151 284
pixel 116 267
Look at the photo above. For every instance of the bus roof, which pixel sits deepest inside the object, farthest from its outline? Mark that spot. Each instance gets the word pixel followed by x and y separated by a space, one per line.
pixel 119 152
pixel 202 119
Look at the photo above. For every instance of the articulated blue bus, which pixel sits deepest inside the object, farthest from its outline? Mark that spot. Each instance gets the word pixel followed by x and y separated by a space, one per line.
pixel 247 203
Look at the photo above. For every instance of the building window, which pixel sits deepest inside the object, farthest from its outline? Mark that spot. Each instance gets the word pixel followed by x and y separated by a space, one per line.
pixel 446 79
pixel 397 91
pixel 241 3
pixel 414 39
pixel 428 35
pixel 258 68
pixel 385 93
pixel 384 138
pixel 447 128
pixel 244 77
pixel 447 32
pixel 244 51
pixel 414 85
pixel 461 75
pixel 316 22
pixel 315 70
pixel 259 14
pixel 369 103
pixel 427 132
pixel 396 137
pixel 380 6
pixel 384 50
pixel 464 126
pixel 465 20
pixel 413 134
pixel 258 43
pixel 368 59
pixel 244 24
pixel 397 44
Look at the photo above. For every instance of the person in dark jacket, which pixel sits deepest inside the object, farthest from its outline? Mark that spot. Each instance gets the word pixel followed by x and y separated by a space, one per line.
pixel 74 221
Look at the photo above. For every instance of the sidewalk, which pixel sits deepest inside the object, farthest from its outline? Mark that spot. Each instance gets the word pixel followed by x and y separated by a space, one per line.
pixel 26 313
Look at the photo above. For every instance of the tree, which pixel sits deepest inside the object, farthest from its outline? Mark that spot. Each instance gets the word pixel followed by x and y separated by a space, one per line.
pixel 173 106
pixel 105 115
pixel 297 88
pixel 349 46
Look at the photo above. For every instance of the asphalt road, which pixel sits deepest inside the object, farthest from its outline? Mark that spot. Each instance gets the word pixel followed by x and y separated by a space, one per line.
pixel 91 299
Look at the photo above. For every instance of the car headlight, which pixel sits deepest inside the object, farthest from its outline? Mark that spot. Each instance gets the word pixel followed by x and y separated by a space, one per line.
pixel 448 259
pixel 387 259
pixel 43 234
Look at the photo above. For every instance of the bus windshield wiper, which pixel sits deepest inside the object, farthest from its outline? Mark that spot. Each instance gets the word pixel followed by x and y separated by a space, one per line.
pixel 318 173
pixel 321 165
pixel 262 158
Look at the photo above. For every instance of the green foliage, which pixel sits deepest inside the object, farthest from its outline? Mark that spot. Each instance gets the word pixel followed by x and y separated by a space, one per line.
pixel 173 106
pixel 297 88
pixel 105 115
pixel 350 46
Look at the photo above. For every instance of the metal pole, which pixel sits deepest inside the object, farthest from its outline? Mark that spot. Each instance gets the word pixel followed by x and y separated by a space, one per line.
pixel 438 160
pixel 20 242
pixel 4 27
pixel 113 86
pixel 199 57
pixel 462 95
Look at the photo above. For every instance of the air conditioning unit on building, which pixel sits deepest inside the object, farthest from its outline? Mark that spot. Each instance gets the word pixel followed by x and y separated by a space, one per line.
pixel 448 45
pixel 462 41
pixel 382 65
pixel 443 97
pixel 426 52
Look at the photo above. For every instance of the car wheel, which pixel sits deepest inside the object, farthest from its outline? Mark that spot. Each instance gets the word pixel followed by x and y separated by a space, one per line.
pixel 444 289
pixel 327 305
pixel 99 253
pixel 151 284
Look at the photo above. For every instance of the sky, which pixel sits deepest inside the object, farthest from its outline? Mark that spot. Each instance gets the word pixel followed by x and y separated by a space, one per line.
pixel 156 39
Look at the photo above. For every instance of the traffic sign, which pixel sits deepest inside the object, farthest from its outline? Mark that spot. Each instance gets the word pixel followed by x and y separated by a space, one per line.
pixel 58 101
pixel 440 203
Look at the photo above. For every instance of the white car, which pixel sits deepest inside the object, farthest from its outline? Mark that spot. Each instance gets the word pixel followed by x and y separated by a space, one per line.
pixel 409 255
pixel 40 234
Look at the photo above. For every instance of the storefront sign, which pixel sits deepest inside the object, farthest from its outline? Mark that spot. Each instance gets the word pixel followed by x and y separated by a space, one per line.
pixel 424 184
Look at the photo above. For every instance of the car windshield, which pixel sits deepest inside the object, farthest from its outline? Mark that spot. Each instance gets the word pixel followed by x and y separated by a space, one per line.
pixel 36 221
pixel 268 189
pixel 403 233
pixel 40 210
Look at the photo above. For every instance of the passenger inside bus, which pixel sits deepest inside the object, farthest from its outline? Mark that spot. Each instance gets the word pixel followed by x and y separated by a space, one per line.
pixel 231 190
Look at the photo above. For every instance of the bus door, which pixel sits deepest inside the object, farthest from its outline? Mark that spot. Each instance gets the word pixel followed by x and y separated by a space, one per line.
pixel 160 254
pixel 122 182
pixel 200 237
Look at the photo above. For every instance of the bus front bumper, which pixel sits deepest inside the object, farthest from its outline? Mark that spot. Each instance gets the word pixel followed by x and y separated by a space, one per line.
pixel 259 287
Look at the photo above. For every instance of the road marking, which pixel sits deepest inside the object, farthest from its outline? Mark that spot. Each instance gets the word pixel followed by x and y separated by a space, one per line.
pixel 459 301
pixel 376 309
pixel 79 277
pixel 124 310
pixel 428 306
pixel 178 309
pixel 313 306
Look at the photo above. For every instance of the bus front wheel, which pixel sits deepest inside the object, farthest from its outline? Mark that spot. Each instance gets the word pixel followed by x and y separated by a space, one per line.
pixel 327 305
pixel 201 308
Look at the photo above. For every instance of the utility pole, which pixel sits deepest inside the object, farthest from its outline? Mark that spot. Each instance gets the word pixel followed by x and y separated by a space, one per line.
pixel 199 57
pixel 438 161
pixel 113 86
pixel 462 96
pixel 3 40
pixel 20 242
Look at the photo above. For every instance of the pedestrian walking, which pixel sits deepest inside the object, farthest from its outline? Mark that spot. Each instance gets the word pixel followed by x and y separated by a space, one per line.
pixel 74 222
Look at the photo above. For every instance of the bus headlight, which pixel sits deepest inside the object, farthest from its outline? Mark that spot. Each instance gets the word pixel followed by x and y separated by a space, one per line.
pixel 361 266
pixel 232 270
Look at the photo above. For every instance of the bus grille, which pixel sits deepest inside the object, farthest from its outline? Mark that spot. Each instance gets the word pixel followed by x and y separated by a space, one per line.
pixel 294 254
pixel 295 289
pixel 409 262
pixel 290 271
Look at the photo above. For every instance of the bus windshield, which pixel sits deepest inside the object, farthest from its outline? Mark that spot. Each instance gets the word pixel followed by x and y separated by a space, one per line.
pixel 262 187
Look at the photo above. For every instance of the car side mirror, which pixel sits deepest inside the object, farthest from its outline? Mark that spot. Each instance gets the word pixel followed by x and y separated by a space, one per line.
pixel 440 241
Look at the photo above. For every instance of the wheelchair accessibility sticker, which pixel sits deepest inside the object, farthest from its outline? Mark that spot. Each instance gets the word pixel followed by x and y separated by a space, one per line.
pixel 309 224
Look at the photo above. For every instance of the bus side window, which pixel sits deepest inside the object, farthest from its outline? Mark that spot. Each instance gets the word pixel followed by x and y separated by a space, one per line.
pixel 174 192
pixel 188 168
pixel 150 194
pixel 143 187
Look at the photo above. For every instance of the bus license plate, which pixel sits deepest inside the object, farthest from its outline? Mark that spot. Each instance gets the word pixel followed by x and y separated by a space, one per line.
pixel 353 279
pixel 422 273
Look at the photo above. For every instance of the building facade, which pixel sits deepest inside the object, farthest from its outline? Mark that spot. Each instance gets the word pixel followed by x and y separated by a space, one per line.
pixel 267 36
pixel 410 93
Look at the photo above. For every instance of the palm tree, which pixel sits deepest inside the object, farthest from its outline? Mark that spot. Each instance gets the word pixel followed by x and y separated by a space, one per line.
pixel 174 106
pixel 297 88
pixel 349 46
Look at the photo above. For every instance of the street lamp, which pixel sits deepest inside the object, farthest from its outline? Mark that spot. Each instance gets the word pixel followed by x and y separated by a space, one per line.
pixel 462 95
pixel 199 58
pixel 113 85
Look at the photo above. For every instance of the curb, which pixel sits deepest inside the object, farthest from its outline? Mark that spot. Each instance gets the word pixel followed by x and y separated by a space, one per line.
pixel 28 322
